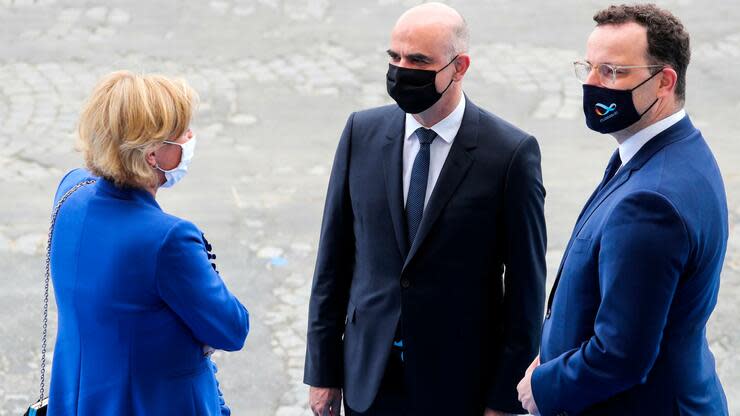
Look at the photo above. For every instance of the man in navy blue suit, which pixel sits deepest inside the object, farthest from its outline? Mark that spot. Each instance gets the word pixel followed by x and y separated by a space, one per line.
pixel 428 291
pixel 625 329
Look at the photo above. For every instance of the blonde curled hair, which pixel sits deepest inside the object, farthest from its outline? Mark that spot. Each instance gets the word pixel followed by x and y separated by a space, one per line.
pixel 126 116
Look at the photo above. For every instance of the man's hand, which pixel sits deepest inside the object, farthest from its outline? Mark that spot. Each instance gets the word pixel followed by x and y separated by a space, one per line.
pixel 325 401
pixel 491 412
pixel 525 389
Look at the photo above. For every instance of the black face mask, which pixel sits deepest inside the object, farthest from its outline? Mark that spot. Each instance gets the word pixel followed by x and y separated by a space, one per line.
pixel 609 110
pixel 414 89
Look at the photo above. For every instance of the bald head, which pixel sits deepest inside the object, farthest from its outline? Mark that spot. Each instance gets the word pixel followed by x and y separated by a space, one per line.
pixel 432 37
pixel 437 22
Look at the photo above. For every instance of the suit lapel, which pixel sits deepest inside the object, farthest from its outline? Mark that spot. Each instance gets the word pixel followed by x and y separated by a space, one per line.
pixel 613 185
pixel 585 208
pixel 597 197
pixel 575 228
pixel 453 171
pixel 393 170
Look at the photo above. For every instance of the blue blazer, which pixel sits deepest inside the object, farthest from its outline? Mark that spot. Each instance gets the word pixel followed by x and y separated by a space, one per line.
pixel 467 341
pixel 137 299
pixel 625 330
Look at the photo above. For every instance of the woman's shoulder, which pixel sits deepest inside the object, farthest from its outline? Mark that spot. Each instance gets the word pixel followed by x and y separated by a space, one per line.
pixel 71 179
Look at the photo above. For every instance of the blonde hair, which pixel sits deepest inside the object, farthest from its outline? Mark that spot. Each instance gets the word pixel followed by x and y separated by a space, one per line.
pixel 126 116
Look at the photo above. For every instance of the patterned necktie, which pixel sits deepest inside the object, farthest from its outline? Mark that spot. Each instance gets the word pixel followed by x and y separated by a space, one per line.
pixel 418 184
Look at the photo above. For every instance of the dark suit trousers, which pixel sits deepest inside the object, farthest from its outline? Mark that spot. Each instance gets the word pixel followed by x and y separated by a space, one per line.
pixel 391 399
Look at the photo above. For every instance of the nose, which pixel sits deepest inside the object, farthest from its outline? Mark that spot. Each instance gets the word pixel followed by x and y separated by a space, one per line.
pixel 593 77
pixel 404 63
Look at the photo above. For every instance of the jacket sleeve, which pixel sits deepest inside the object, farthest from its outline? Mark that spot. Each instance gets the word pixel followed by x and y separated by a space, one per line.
pixel 324 365
pixel 193 289
pixel 525 242
pixel 644 248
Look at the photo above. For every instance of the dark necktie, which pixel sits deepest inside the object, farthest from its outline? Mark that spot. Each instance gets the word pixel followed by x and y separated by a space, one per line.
pixel 611 169
pixel 418 184
pixel 415 208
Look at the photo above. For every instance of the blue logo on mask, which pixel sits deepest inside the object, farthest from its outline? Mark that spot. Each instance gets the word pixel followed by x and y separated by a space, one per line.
pixel 603 110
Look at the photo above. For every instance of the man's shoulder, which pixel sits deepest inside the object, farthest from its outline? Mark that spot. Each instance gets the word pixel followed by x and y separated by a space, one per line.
pixel 498 135
pixel 376 114
pixel 490 122
pixel 684 165
pixel 373 122
pixel 687 174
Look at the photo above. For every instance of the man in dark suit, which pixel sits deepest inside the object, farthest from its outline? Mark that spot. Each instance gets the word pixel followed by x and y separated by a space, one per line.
pixel 625 330
pixel 428 292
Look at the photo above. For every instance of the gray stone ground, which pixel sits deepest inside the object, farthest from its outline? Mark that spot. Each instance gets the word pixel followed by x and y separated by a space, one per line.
pixel 278 79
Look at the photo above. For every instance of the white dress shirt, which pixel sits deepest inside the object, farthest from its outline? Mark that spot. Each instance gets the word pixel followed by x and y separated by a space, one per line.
pixel 439 149
pixel 629 148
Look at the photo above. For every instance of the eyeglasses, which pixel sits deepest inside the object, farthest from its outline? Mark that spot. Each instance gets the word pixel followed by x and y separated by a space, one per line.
pixel 607 72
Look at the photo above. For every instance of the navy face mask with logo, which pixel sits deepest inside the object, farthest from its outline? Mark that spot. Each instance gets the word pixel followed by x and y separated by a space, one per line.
pixel 609 110
pixel 414 89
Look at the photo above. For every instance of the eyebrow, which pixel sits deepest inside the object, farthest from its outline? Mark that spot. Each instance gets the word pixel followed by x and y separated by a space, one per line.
pixel 601 63
pixel 415 57
pixel 419 57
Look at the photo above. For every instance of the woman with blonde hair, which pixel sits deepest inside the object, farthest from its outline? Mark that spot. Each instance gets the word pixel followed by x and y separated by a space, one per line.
pixel 139 300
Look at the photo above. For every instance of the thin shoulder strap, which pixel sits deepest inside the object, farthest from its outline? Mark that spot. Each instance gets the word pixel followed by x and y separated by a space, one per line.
pixel 45 314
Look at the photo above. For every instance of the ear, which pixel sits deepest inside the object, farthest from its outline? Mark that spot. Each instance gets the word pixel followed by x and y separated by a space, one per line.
pixel 151 157
pixel 462 63
pixel 668 80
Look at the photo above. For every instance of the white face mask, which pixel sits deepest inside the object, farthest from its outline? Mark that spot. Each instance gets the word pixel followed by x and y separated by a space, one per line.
pixel 174 176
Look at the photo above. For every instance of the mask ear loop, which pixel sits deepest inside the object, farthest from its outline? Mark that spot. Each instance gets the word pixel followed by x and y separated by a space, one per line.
pixel 451 80
pixel 649 78
pixel 648 109
pixel 641 84
pixel 448 64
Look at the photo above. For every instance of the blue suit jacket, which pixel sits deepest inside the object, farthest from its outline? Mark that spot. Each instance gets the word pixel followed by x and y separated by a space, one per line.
pixel 625 334
pixel 467 342
pixel 137 300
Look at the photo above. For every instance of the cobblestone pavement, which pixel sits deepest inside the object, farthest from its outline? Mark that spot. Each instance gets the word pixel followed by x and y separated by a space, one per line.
pixel 277 80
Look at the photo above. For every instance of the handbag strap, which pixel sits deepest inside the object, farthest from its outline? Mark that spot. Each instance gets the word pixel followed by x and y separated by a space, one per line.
pixel 45 314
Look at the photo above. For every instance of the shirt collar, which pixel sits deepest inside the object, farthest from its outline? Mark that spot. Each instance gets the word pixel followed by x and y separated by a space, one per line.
pixel 629 148
pixel 447 128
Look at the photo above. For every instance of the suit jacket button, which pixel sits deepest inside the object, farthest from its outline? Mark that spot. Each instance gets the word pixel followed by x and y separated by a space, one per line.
pixel 405 283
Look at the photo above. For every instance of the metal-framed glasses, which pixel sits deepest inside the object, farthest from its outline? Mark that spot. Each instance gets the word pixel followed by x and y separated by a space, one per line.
pixel 607 73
